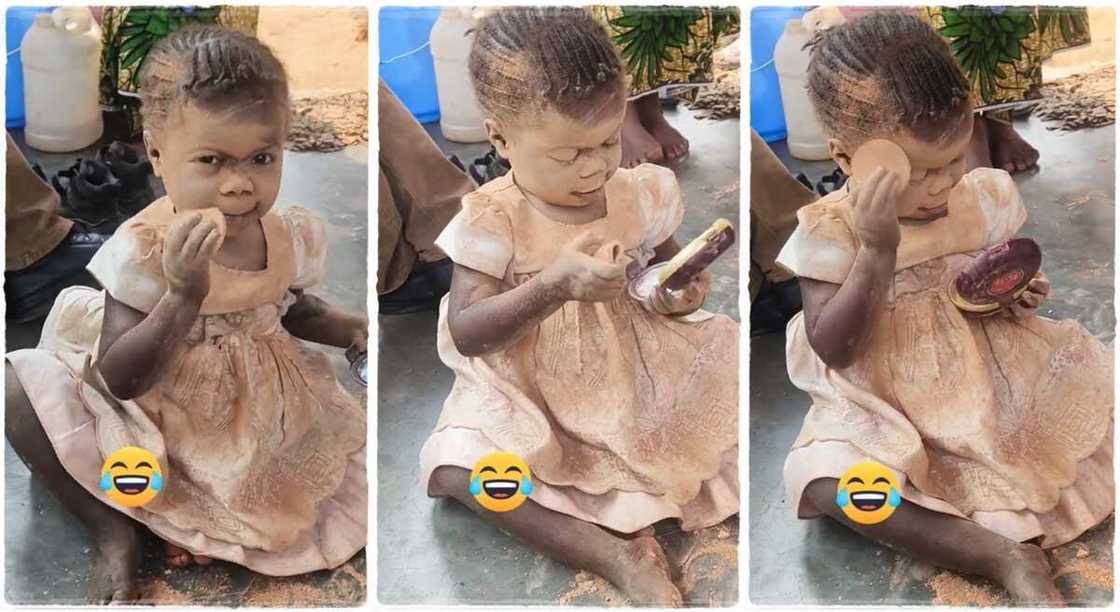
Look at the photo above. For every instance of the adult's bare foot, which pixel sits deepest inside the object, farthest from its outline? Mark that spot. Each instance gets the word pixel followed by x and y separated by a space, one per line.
pixel 674 146
pixel 643 574
pixel 638 146
pixel 1026 575
pixel 1008 149
pixel 115 568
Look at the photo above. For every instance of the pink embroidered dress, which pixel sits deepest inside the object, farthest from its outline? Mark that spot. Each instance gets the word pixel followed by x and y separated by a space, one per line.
pixel 1004 421
pixel 262 451
pixel 624 417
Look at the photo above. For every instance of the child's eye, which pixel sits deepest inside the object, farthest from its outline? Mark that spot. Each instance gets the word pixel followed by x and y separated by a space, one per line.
pixel 209 160
pixel 263 159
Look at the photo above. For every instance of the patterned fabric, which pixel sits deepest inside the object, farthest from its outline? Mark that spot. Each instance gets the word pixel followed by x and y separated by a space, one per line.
pixel 1001 49
pixel 986 415
pixel 600 399
pixel 663 45
pixel 264 451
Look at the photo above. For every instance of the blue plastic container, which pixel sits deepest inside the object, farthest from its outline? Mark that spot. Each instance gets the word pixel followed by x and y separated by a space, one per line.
pixel 17 21
pixel 767 23
pixel 406 59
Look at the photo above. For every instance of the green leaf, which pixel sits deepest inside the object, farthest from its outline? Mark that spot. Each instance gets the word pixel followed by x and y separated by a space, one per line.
pixel 951 17
pixel 130 30
pixel 1013 50
pixel 138 16
pixel 133 57
pixel 131 43
pixel 1067 32
pixel 626 21
pixel 626 37
pixel 954 31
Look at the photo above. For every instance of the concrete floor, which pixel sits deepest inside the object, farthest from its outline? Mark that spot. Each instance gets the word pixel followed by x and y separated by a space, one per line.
pixel 436 551
pixel 1071 202
pixel 49 553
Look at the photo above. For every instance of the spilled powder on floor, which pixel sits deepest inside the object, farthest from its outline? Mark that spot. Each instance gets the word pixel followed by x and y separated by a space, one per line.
pixel 716 545
pixel 720 100
pixel 1078 561
pixel 587 584
pixel 325 123
pixel 951 589
pixel 1080 101
pixel 156 591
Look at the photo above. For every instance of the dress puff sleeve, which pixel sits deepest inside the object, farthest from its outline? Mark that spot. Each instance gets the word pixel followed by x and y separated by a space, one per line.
pixel 1000 202
pixel 661 203
pixel 822 247
pixel 309 246
pixel 130 265
pixel 479 237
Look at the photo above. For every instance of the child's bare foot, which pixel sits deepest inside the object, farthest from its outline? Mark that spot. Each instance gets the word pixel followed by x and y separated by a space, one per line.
pixel 178 557
pixel 115 568
pixel 1027 577
pixel 643 574
pixel 638 146
pixel 1009 150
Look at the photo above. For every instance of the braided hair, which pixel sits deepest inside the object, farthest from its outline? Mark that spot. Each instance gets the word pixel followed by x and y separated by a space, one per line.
pixel 886 70
pixel 212 67
pixel 532 59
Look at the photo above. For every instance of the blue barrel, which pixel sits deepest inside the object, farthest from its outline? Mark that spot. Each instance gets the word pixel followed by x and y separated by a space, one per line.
pixel 406 59
pixel 767 24
pixel 17 22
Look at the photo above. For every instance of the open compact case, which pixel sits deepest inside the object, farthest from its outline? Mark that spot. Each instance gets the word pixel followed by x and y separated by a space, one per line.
pixel 997 278
pixel 359 368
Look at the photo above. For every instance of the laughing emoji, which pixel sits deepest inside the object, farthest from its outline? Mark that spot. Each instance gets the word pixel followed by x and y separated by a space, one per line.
pixel 131 477
pixel 868 493
pixel 500 482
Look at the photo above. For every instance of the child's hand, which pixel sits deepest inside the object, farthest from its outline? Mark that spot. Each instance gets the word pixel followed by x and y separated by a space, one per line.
pixel 577 275
pixel 360 340
pixel 686 301
pixel 875 217
pixel 187 249
pixel 1032 298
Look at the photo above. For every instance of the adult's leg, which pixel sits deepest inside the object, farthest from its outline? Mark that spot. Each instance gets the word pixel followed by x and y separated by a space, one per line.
pixel 673 144
pixel 637 566
pixel 638 145
pixel 115 569
pixel 954 543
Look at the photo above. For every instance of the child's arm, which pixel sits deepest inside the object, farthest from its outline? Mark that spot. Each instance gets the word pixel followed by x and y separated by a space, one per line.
pixel 839 317
pixel 315 320
pixel 482 319
pixel 135 346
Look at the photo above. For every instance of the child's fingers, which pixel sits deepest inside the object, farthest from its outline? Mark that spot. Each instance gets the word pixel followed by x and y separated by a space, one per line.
pixel 884 193
pixel 1030 299
pixel 607 271
pixel 193 243
pixel 587 242
pixel 867 189
pixel 210 244
pixel 180 230
pixel 1039 284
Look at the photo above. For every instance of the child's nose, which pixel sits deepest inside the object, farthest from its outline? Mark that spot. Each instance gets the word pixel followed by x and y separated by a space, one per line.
pixel 940 182
pixel 235 183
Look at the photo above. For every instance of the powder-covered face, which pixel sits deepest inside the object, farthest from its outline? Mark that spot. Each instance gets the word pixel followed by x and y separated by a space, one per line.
pixel 225 159
pixel 560 160
pixel 935 168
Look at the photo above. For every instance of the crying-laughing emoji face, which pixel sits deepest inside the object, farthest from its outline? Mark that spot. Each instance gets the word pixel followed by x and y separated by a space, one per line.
pixel 501 482
pixel 868 493
pixel 131 477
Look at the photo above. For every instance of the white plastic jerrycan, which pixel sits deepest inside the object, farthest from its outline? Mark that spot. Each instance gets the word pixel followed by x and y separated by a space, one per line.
pixel 460 117
pixel 61 55
pixel 791 60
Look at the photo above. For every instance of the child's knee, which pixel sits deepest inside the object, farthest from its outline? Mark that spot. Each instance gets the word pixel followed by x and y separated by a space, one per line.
pixel 820 494
pixel 449 481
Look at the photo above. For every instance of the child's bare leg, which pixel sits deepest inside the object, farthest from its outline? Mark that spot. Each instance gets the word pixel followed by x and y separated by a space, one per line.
pixel 953 543
pixel 636 566
pixel 116 535
pixel 181 557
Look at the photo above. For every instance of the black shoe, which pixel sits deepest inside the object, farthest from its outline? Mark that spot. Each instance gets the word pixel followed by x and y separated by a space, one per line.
pixel 422 290
pixel 774 306
pixel 488 167
pixel 133 172
pixel 831 182
pixel 30 292
pixel 90 193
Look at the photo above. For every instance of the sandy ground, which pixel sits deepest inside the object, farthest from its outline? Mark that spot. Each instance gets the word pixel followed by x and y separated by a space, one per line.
pixel 323 49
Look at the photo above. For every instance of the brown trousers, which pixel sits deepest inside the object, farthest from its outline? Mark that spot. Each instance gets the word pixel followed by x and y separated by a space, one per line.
pixel 418 192
pixel 775 198
pixel 31 218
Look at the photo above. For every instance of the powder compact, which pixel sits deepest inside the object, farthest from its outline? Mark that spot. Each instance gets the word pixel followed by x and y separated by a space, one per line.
pixel 997 278
pixel 698 255
pixel 878 152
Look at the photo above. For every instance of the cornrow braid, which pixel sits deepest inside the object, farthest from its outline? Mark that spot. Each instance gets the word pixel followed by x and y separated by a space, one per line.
pixel 883 71
pixel 211 66
pixel 530 59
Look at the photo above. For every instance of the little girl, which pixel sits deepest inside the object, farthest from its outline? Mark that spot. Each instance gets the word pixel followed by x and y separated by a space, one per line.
pixel 625 416
pixel 999 430
pixel 190 351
